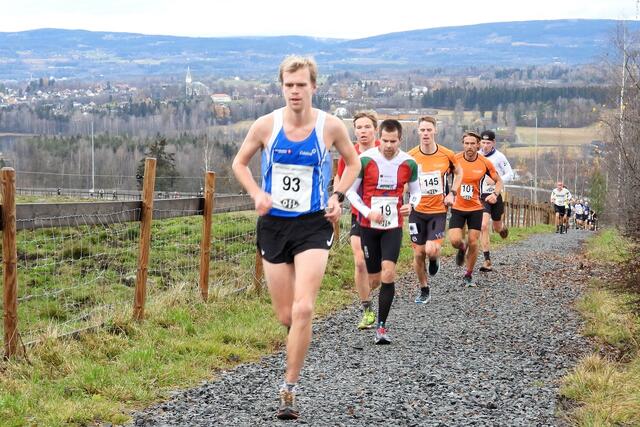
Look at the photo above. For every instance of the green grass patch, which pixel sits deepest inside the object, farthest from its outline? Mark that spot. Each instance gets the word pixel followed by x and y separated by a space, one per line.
pixel 609 246
pixel 605 385
pixel 608 316
pixel 98 376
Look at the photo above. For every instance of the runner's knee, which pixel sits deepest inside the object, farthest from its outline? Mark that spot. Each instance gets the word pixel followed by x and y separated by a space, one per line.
pixel 284 317
pixel 302 311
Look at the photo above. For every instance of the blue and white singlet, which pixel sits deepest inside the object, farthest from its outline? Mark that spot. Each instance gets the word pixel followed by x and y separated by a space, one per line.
pixel 296 174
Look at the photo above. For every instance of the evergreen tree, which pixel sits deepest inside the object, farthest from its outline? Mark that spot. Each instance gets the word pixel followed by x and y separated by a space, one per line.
pixel 597 192
pixel 166 172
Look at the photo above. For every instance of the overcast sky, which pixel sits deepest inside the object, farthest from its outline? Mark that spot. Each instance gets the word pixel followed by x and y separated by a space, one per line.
pixel 328 18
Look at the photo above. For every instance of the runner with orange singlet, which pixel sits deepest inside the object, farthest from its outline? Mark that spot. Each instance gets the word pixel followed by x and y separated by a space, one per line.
pixel 428 220
pixel 467 207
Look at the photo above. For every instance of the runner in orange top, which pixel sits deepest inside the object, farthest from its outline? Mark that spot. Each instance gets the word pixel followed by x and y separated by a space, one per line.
pixel 427 221
pixel 468 207
pixel 365 125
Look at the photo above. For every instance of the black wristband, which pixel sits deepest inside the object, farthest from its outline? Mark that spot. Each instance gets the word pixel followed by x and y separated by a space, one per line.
pixel 454 192
pixel 340 196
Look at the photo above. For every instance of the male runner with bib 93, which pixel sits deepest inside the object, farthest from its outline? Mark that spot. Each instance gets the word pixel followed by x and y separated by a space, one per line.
pixel 294 231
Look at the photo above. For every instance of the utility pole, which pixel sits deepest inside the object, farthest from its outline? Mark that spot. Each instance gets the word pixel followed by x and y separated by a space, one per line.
pixel 93 163
pixel 575 180
pixel 535 163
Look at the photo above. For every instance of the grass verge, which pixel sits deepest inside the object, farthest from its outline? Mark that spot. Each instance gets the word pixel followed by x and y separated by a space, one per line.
pixel 101 375
pixel 605 385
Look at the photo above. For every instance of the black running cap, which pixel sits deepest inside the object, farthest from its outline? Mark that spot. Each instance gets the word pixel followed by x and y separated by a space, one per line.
pixel 488 135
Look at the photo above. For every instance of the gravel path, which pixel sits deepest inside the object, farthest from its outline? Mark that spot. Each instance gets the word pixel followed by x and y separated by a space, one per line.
pixel 490 355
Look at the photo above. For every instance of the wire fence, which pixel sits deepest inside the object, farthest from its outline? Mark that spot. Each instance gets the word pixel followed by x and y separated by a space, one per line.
pixel 77 276
pixel 73 276
pixel 79 264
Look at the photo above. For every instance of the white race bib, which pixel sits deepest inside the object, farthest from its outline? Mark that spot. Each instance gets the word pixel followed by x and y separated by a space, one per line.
pixel 291 187
pixel 487 188
pixel 466 191
pixel 388 207
pixel 431 183
pixel 387 182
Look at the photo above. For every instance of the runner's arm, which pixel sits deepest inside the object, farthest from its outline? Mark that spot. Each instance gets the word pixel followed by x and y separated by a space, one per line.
pixel 339 138
pixel 415 194
pixel 253 142
pixel 508 171
pixel 344 146
pixel 356 200
pixel 499 184
pixel 457 178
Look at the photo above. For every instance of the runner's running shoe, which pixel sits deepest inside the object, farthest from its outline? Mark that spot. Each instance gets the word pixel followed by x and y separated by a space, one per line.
pixel 468 282
pixel 486 266
pixel 368 320
pixel 434 266
pixel 381 336
pixel 504 232
pixel 460 257
pixel 424 296
pixel 287 409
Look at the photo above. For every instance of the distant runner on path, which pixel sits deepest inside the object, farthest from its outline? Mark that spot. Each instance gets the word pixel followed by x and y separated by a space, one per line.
pixel 468 208
pixel 492 212
pixel 385 171
pixel 365 125
pixel 558 197
pixel 428 220
pixel 294 231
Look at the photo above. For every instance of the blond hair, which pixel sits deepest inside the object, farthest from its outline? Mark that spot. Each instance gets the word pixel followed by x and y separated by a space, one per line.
pixel 369 114
pixel 293 63
pixel 427 119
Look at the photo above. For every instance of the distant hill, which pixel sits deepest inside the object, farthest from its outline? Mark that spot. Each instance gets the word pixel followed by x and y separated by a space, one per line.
pixel 87 54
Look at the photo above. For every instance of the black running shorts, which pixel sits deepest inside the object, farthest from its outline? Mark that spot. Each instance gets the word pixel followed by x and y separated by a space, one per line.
pixel 380 245
pixel 355 226
pixel 425 227
pixel 495 210
pixel 473 219
pixel 558 209
pixel 280 239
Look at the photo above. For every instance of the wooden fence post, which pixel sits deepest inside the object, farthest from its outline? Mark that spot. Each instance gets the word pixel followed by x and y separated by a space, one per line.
pixel 257 275
pixel 205 244
pixel 511 209
pixel 520 212
pixel 146 217
pixel 10 262
pixel 505 215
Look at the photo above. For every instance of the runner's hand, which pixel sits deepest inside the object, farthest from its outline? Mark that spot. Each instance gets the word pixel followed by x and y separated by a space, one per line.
pixel 375 216
pixel 262 203
pixel 449 199
pixel 491 199
pixel 333 209
pixel 405 209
